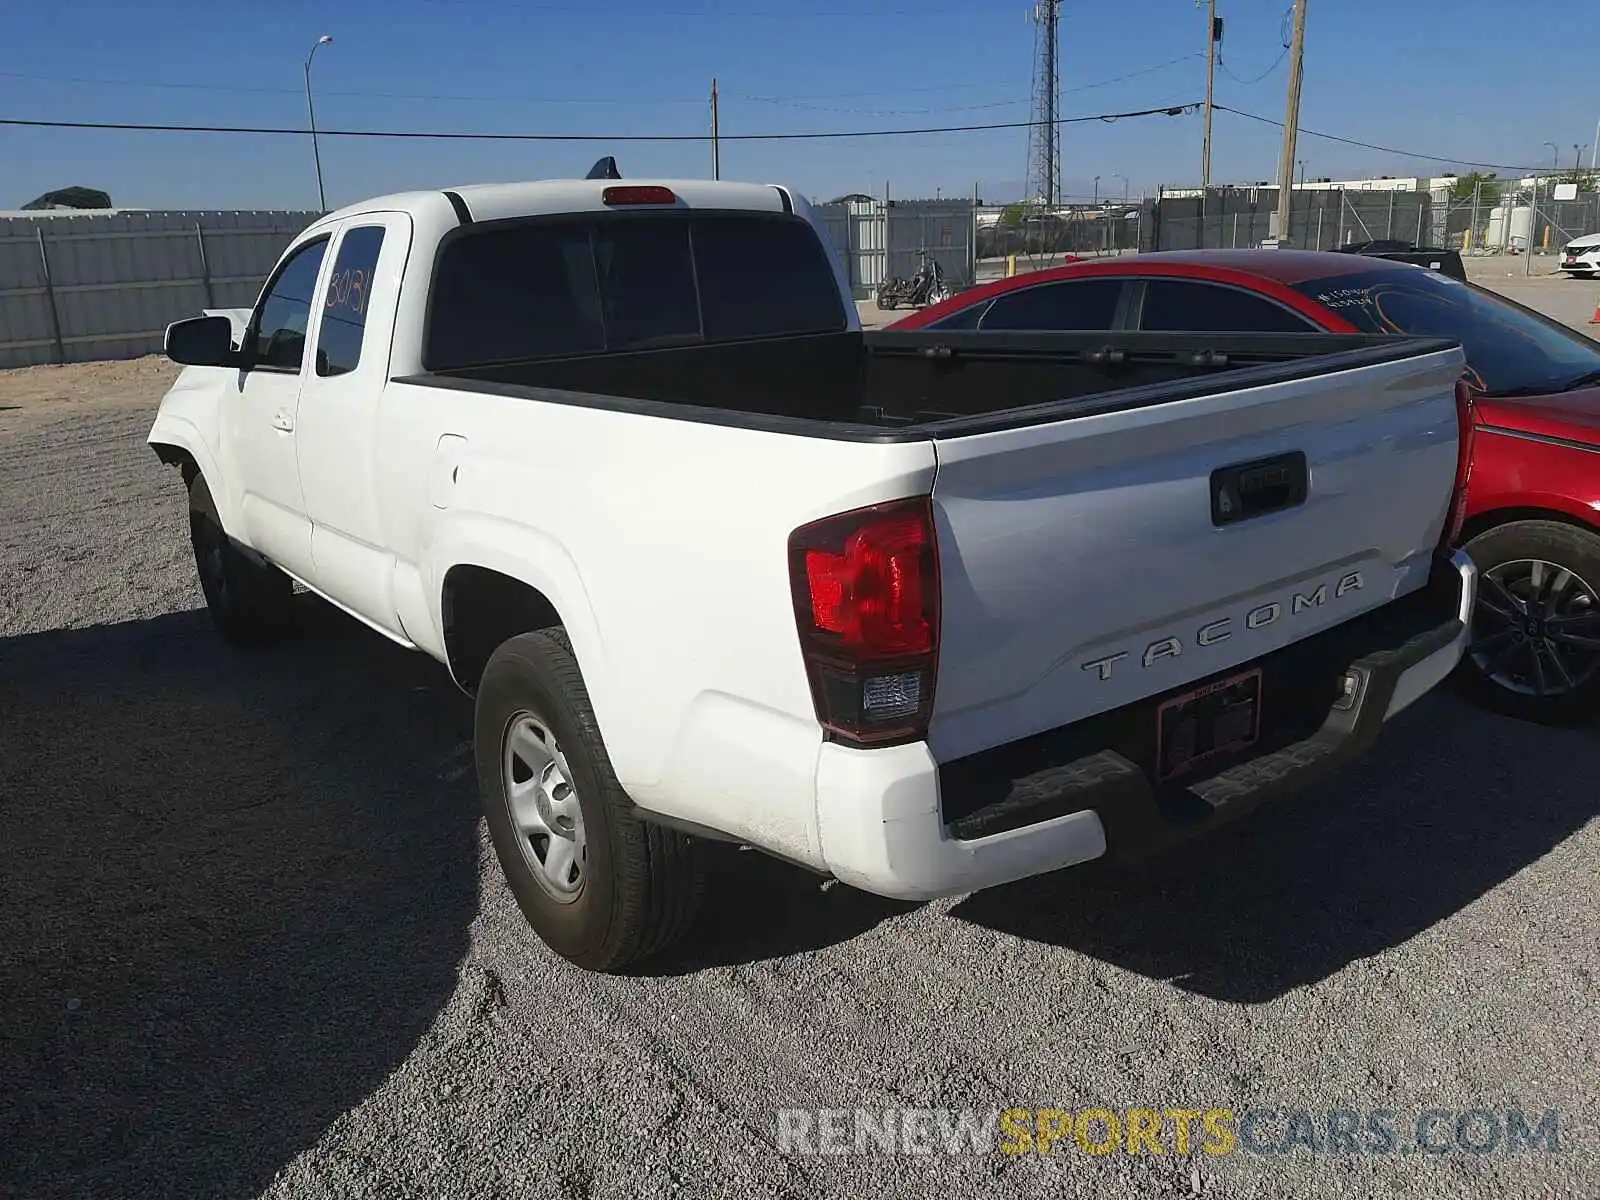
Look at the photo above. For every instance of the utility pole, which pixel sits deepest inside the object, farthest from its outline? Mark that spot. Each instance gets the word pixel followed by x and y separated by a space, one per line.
pixel 716 134
pixel 1212 38
pixel 1291 122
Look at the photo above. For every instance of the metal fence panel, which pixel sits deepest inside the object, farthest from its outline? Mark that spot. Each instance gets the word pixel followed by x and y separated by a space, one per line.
pixel 940 229
pixel 75 288
pixel 871 247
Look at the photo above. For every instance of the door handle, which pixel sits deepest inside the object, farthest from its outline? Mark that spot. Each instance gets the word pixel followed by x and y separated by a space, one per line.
pixel 282 421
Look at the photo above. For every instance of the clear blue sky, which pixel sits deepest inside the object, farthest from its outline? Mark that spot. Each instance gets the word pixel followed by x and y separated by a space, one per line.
pixel 1465 78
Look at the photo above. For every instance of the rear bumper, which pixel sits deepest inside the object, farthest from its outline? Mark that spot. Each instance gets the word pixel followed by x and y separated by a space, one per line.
pixel 896 823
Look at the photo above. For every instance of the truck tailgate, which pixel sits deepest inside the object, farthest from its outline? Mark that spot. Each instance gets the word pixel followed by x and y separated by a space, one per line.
pixel 1098 560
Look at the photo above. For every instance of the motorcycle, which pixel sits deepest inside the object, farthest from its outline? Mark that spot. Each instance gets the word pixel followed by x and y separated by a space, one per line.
pixel 926 287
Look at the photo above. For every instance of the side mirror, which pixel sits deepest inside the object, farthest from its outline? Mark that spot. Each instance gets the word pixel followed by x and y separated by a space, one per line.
pixel 202 342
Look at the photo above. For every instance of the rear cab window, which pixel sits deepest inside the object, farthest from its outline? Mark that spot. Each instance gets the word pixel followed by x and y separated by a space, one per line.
pixel 565 286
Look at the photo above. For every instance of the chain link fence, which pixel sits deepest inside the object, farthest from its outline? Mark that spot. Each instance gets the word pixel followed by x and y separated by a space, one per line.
pixel 1514 218
pixel 1319 218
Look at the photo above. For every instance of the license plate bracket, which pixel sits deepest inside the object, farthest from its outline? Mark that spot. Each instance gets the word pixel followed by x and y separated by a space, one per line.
pixel 1219 718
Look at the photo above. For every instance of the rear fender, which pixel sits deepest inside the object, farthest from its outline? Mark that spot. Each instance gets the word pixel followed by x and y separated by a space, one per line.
pixel 542 563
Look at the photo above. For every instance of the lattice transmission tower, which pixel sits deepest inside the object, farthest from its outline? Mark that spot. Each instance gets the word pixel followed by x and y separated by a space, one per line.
pixel 1044 135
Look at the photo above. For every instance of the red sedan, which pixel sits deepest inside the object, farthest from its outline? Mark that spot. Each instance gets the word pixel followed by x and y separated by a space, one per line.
pixel 1533 501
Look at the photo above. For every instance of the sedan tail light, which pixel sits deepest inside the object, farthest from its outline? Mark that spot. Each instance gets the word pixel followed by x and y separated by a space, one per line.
pixel 1466 422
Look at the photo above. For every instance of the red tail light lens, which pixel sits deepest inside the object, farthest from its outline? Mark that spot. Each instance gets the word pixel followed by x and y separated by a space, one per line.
pixel 640 194
pixel 866 599
pixel 1467 423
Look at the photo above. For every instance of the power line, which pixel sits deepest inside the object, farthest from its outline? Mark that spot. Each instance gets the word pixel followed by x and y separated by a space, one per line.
pixel 1334 137
pixel 724 14
pixel 273 91
pixel 1173 110
pixel 796 101
pixel 793 102
pixel 1254 79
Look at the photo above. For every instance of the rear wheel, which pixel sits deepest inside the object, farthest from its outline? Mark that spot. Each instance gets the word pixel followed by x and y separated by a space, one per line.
pixel 600 887
pixel 1535 649
pixel 250 603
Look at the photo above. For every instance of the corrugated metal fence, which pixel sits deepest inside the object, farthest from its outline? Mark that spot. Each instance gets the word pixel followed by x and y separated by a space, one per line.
pixel 75 288
pixel 106 285
pixel 877 240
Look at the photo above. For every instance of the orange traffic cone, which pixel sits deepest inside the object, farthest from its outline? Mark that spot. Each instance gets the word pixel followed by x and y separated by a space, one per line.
pixel 1595 320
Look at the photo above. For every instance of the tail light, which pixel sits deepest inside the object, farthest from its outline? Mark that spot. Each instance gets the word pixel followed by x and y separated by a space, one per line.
pixel 1467 421
pixel 866 600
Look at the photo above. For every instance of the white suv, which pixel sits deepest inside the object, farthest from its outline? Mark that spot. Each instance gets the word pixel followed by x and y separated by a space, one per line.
pixel 1581 257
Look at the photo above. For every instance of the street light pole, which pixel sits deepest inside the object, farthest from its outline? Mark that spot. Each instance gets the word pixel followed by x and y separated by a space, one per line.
pixel 311 110
pixel 1555 156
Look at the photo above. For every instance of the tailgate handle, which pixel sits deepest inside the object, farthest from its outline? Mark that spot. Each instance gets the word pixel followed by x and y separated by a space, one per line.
pixel 1256 488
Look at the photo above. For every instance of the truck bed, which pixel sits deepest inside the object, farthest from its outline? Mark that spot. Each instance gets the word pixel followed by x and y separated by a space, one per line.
pixel 889 386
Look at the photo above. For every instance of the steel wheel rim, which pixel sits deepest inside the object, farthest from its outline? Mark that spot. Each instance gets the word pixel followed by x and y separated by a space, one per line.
pixel 543 804
pixel 213 570
pixel 1536 628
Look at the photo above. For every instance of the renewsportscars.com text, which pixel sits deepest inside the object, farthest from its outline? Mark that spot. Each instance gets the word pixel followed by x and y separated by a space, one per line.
pixel 1215 1131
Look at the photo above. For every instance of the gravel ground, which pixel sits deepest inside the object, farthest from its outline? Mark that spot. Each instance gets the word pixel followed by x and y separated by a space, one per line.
pixel 253 941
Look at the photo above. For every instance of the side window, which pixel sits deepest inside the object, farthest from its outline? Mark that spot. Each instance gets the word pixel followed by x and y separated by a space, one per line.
pixel 966 318
pixel 1188 306
pixel 1072 304
pixel 344 313
pixel 286 310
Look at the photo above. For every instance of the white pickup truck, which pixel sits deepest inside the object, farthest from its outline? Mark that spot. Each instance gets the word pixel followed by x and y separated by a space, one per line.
pixel 925 612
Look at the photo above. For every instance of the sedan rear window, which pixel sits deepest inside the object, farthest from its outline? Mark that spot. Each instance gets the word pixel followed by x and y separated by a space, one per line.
pixel 1510 350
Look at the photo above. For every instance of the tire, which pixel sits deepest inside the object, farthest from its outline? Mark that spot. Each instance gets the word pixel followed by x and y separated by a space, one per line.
pixel 250 604
pixel 1532 657
pixel 637 886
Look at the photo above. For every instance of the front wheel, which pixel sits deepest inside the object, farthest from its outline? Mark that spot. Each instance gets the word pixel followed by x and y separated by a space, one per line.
pixel 1535 650
pixel 250 603
pixel 599 886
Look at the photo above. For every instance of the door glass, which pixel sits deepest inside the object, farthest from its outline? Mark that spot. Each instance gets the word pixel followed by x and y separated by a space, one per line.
pixel 1078 304
pixel 344 312
pixel 1190 306
pixel 286 311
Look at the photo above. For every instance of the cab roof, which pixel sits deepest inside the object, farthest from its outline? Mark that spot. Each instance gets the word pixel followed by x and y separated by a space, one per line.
pixel 548 197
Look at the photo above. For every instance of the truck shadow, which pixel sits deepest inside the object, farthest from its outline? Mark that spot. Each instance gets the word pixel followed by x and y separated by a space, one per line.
pixel 757 908
pixel 1452 802
pixel 237 891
